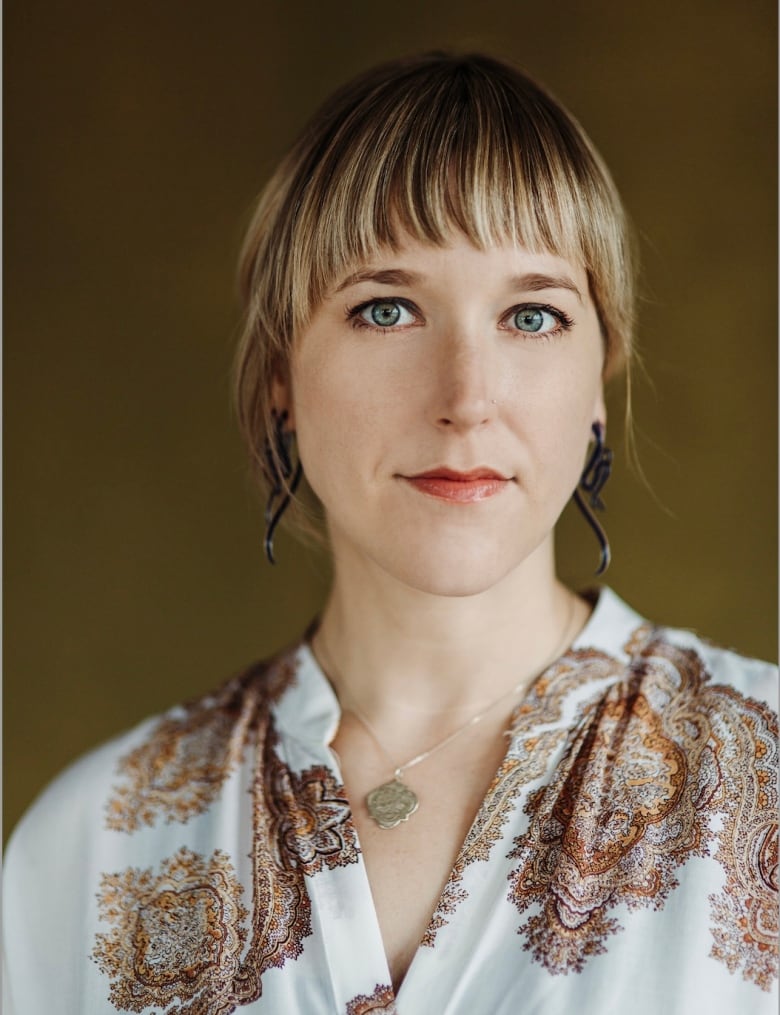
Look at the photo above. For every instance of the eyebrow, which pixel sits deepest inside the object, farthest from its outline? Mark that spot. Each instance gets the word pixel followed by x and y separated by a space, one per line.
pixel 532 282
pixel 535 282
pixel 386 276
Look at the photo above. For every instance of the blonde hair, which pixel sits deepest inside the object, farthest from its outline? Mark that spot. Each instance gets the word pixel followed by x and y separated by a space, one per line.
pixel 422 146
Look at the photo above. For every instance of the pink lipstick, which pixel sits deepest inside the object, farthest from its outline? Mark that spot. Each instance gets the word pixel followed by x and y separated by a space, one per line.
pixel 459 487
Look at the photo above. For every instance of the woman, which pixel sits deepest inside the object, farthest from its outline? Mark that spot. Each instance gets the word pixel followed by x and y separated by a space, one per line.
pixel 468 789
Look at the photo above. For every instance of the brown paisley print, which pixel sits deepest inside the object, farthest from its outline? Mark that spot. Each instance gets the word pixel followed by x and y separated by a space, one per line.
pixel 381 1000
pixel 745 915
pixel 528 757
pixel 180 769
pixel 174 937
pixel 310 819
pixel 645 772
pixel 185 934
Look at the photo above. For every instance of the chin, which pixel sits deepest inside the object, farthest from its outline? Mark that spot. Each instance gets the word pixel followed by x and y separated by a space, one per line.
pixel 468 568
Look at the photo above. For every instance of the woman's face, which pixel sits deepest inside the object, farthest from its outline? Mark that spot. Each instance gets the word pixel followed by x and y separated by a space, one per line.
pixel 443 399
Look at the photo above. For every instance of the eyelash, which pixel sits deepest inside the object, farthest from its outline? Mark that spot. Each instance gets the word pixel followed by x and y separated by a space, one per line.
pixel 565 323
pixel 353 313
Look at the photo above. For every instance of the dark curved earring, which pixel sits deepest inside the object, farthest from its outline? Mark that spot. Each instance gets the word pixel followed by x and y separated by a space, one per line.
pixel 278 468
pixel 594 476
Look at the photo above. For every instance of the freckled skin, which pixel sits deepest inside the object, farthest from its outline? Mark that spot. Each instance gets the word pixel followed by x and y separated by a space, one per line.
pixel 455 382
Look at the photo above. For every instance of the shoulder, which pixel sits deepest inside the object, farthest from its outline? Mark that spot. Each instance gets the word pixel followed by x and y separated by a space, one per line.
pixel 174 761
pixel 717 707
pixel 681 747
pixel 718 670
pixel 701 665
pixel 72 800
pixel 156 802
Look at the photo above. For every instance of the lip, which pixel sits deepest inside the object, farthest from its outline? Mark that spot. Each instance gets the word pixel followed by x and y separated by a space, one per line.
pixel 444 472
pixel 456 487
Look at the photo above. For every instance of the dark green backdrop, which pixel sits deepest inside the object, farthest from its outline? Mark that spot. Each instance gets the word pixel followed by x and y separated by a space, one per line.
pixel 136 136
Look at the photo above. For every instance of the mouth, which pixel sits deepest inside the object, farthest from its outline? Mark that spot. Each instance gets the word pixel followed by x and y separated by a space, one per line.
pixel 456 487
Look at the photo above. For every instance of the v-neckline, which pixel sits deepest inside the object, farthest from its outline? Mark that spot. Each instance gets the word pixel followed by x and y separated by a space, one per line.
pixel 323 716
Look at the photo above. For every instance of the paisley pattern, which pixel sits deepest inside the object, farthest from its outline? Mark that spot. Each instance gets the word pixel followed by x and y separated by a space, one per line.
pixel 178 772
pixel 626 850
pixel 182 935
pixel 745 914
pixel 646 771
pixel 176 936
pixel 615 777
pixel 381 1000
pixel 535 734
pixel 310 819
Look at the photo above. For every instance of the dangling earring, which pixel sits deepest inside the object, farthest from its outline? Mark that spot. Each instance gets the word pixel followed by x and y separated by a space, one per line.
pixel 594 476
pixel 278 468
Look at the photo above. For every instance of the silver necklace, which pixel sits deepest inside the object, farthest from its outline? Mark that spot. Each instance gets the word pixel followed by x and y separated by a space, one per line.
pixel 393 801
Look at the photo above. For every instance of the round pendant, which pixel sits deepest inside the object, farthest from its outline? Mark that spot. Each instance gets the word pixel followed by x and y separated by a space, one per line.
pixel 391 803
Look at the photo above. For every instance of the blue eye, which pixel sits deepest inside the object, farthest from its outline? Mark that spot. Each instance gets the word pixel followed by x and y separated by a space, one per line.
pixel 536 319
pixel 386 314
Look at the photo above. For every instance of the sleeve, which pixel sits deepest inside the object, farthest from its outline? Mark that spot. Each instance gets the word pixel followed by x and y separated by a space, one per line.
pixel 744 729
pixel 51 869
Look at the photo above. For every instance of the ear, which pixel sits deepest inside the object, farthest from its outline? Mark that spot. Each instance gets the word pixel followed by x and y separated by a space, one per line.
pixel 599 414
pixel 281 397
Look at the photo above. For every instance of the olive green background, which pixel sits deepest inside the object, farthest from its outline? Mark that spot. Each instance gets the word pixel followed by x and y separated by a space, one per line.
pixel 136 137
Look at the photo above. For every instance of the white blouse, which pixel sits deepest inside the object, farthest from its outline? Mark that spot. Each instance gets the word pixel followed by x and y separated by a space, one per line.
pixel 623 860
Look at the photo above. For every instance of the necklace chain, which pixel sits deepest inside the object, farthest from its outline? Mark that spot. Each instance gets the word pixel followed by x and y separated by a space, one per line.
pixel 398 770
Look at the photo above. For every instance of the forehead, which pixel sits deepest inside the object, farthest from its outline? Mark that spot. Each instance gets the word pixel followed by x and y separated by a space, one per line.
pixel 414 263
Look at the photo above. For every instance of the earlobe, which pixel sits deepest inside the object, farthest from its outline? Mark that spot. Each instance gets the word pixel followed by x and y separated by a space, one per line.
pixel 281 399
pixel 600 411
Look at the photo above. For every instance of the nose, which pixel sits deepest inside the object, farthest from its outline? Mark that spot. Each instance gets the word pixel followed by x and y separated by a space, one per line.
pixel 465 395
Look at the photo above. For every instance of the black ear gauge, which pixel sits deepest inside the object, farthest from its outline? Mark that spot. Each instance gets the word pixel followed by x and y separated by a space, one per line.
pixel 587 495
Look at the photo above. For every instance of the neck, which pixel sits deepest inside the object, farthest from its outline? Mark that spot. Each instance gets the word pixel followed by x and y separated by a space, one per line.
pixel 402 656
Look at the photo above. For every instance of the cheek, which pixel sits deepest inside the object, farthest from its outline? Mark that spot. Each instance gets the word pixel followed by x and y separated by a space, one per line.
pixel 553 423
pixel 335 421
pixel 344 401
